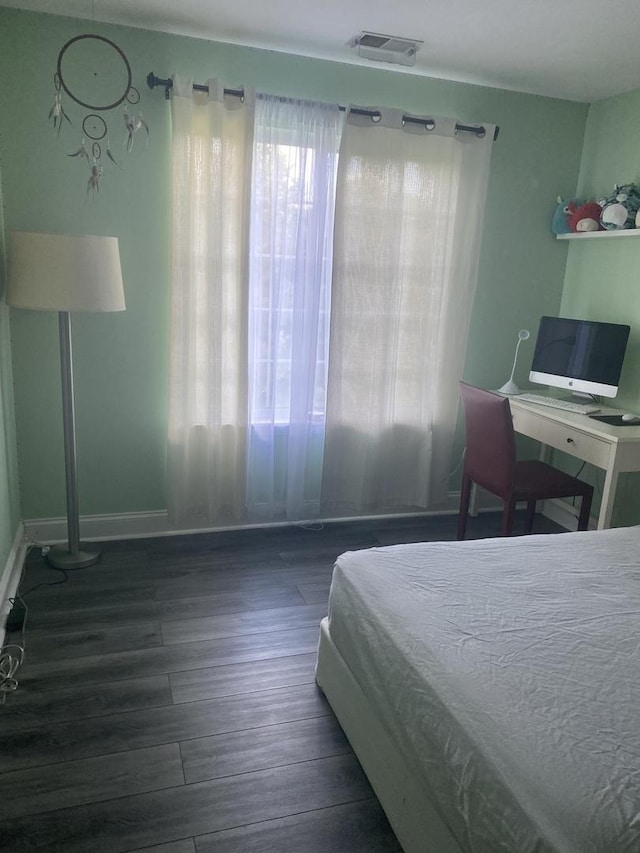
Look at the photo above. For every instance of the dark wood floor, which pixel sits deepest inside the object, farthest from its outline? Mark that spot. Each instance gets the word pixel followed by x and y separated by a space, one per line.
pixel 167 702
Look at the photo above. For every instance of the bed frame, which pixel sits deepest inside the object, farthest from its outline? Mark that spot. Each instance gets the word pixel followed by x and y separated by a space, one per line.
pixel 404 795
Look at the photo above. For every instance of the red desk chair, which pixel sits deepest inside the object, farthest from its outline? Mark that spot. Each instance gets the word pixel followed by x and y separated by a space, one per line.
pixel 490 461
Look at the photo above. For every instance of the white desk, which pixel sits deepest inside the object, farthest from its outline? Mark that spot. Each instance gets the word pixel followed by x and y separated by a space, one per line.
pixel 613 448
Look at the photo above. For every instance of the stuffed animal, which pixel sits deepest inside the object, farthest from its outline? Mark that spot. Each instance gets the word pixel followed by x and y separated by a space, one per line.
pixel 620 208
pixel 586 217
pixel 560 221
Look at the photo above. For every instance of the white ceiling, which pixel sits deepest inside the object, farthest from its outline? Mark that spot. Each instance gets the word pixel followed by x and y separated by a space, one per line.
pixel 582 50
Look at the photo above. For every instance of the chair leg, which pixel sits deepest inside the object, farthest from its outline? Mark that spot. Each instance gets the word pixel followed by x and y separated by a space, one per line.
pixel 507 517
pixel 585 511
pixel 465 496
pixel 528 519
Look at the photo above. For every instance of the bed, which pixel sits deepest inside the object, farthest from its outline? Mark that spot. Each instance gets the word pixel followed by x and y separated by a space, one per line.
pixel 491 689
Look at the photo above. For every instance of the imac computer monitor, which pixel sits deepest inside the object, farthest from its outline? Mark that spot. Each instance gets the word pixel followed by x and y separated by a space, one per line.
pixel 583 356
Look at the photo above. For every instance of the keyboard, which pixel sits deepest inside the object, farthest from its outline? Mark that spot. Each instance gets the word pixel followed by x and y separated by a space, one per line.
pixel 554 403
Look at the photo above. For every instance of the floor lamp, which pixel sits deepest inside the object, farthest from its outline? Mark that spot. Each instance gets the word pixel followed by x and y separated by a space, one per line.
pixel 55 272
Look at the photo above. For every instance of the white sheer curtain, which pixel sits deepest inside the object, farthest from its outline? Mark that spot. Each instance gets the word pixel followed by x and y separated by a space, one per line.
pixel 410 203
pixel 292 208
pixel 211 168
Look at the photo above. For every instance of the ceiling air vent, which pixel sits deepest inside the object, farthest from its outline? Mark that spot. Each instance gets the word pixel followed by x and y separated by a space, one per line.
pixel 381 48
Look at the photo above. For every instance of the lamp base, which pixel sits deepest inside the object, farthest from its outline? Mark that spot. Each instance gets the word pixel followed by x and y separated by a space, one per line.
pixel 62 558
pixel 509 387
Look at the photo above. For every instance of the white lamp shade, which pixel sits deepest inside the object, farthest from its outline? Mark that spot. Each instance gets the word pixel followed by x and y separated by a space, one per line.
pixel 59 272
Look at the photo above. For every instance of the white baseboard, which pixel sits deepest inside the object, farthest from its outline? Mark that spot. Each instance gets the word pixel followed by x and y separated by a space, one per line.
pixel 141 525
pixel 10 576
pixel 94 528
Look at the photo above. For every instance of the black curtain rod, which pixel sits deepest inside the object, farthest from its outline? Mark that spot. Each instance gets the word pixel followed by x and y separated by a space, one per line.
pixel 167 84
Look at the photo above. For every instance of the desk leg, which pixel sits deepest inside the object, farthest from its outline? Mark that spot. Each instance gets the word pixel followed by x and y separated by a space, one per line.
pixel 608 497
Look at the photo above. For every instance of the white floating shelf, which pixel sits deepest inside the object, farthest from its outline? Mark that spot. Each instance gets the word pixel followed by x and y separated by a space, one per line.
pixel 590 235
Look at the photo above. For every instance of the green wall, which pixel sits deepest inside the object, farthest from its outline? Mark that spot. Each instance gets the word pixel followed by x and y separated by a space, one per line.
pixel 9 495
pixel 121 359
pixel 602 279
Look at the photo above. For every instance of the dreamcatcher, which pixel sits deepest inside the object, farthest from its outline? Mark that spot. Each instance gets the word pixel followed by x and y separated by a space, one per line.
pixel 95 73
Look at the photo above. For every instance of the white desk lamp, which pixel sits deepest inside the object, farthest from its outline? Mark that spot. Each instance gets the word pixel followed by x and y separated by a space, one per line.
pixel 55 272
pixel 510 386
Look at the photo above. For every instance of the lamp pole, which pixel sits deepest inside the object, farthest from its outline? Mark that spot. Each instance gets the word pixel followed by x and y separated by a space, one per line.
pixel 71 557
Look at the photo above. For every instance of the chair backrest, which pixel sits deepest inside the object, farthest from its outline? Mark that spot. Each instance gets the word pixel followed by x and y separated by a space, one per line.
pixel 490 457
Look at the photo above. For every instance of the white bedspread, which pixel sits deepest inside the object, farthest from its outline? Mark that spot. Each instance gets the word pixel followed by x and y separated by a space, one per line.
pixel 509 670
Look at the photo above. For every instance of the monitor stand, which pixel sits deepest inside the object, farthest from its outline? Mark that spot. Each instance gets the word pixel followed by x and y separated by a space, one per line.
pixel 583 395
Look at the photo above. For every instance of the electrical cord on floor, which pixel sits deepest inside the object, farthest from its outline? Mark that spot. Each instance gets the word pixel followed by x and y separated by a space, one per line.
pixel 63 579
pixel 459 465
pixel 44 550
pixel 9 665
pixel 12 655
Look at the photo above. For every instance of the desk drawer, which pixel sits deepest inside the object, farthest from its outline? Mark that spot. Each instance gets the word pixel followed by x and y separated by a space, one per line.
pixel 568 439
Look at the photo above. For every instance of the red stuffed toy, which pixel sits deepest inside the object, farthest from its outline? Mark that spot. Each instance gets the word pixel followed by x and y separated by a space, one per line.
pixel 586 217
